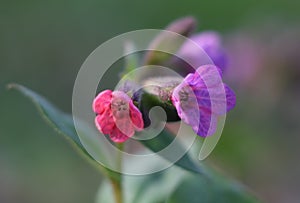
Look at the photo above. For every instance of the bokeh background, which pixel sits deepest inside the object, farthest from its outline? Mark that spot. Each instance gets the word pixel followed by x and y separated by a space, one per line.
pixel 44 43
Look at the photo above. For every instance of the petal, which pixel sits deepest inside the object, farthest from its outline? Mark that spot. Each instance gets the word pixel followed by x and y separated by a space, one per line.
pixel 117 136
pixel 212 99
pixel 136 117
pixel 121 113
pixel 121 95
pixel 97 123
pixel 125 126
pixel 211 43
pixel 187 107
pixel 105 122
pixel 202 120
pixel 207 125
pixel 230 98
pixel 102 101
pixel 208 75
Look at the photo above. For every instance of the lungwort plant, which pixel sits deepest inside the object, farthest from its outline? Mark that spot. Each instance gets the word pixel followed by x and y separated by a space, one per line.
pixel 196 98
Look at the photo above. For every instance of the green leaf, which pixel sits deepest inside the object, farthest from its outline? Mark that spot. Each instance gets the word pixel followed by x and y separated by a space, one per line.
pixel 195 188
pixel 63 124
pixel 162 140
pixel 105 192
pixel 144 189
pixel 176 185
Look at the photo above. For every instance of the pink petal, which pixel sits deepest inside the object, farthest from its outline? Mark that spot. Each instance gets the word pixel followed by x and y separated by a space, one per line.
pixel 102 101
pixel 97 120
pixel 121 95
pixel 105 122
pixel 124 125
pixel 136 117
pixel 121 103
pixel 117 136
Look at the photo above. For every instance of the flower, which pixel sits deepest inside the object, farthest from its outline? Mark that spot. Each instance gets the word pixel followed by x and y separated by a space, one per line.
pixel 116 115
pixel 201 97
pixel 211 44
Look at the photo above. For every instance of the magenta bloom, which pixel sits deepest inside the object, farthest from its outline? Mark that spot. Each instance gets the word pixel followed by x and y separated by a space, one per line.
pixel 211 44
pixel 201 97
pixel 116 115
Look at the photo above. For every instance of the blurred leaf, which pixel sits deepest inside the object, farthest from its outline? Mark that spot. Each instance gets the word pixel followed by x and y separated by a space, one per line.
pixel 196 188
pixel 144 189
pixel 164 139
pixel 63 124
pixel 176 185
pixel 105 193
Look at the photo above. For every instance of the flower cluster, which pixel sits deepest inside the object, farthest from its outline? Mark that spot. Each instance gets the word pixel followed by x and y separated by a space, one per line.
pixel 198 100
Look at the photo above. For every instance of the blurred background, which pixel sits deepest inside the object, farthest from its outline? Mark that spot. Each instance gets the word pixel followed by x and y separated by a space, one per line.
pixel 44 43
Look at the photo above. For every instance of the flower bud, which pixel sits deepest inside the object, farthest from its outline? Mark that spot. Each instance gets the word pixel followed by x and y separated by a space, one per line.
pixel 169 42
pixel 157 92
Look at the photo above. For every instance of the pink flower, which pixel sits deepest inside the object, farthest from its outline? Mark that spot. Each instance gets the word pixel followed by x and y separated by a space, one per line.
pixel 116 115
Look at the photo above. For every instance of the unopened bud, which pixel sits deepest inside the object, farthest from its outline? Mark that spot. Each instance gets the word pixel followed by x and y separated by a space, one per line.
pixel 169 42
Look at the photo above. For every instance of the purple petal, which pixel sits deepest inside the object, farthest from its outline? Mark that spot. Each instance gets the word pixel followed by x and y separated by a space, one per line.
pixel 230 98
pixel 209 75
pixel 187 109
pixel 210 42
pixel 207 125
pixel 215 99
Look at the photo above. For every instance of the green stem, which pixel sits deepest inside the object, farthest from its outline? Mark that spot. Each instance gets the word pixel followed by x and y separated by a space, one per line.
pixel 117 188
pixel 117 183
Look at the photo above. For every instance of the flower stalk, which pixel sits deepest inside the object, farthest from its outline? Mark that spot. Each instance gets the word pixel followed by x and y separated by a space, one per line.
pixel 117 189
pixel 117 183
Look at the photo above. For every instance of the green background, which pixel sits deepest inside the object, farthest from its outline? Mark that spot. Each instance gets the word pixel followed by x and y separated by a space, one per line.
pixel 44 43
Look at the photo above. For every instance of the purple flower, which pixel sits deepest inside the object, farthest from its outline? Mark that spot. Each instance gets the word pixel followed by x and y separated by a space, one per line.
pixel 211 44
pixel 201 97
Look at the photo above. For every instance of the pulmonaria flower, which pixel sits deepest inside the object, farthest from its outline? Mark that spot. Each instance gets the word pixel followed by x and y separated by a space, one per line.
pixel 211 45
pixel 116 115
pixel 201 97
